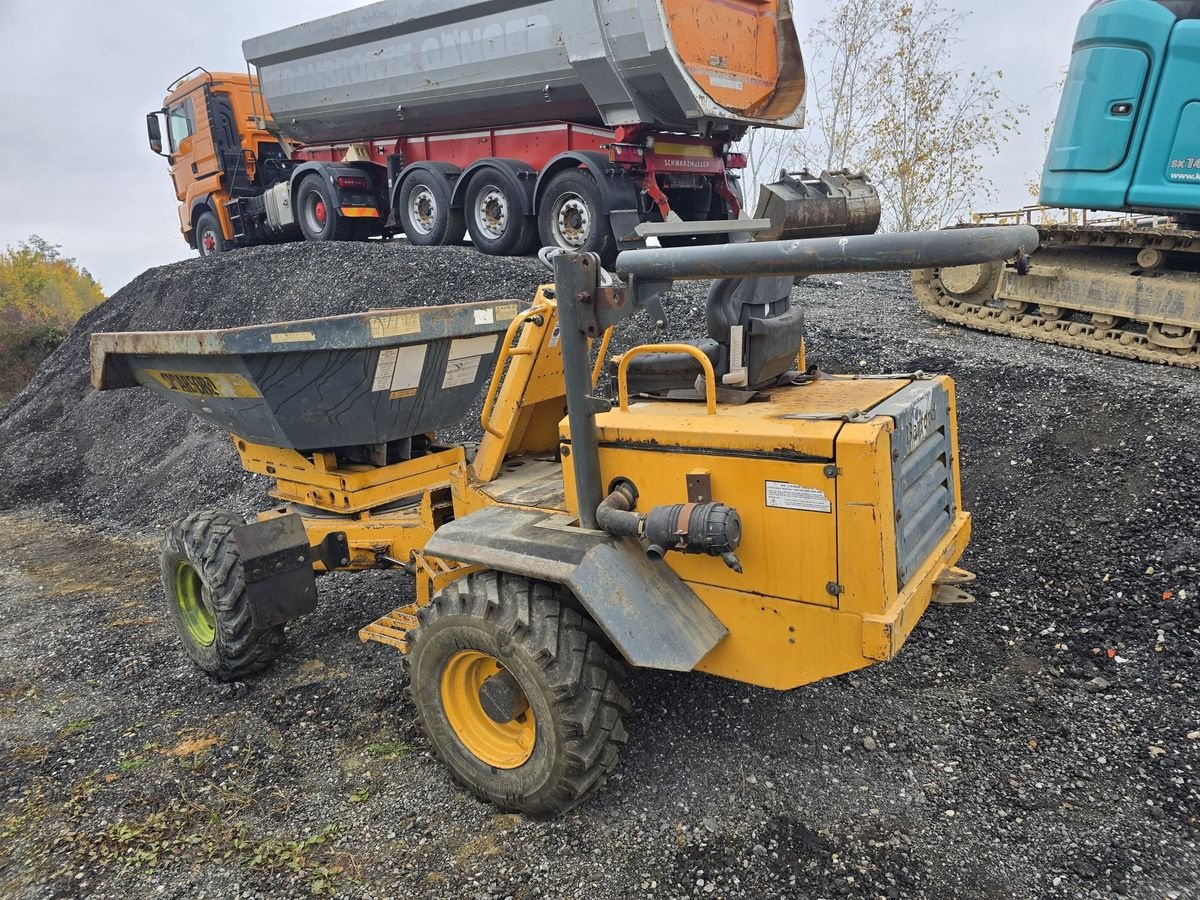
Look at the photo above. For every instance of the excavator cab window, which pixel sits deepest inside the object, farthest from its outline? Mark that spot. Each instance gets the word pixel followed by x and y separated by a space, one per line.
pixel 181 123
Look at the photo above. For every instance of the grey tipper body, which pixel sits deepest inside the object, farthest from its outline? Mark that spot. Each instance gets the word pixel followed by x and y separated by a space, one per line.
pixel 414 67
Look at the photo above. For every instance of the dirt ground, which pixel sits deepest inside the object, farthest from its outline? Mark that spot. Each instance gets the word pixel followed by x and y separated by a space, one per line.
pixel 1043 742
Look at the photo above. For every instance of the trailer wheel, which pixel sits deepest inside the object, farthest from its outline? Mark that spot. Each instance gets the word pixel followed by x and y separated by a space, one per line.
pixel 210 240
pixel 425 213
pixel 494 218
pixel 206 597
pixel 318 213
pixel 517 692
pixel 572 215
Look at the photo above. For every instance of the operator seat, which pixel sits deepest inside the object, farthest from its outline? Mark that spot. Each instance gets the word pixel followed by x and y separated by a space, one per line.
pixel 771 331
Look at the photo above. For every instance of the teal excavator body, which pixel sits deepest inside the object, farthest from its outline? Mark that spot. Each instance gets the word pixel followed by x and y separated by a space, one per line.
pixel 1127 136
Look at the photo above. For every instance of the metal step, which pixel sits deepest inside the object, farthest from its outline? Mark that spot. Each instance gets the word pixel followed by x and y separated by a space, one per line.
pixel 717 226
pixel 392 629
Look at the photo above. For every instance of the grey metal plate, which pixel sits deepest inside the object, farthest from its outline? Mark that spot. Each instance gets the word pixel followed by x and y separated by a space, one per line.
pixel 922 471
pixel 717 226
pixel 653 618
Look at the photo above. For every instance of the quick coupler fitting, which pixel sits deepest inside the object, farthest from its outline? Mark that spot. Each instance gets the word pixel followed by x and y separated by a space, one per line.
pixel 711 528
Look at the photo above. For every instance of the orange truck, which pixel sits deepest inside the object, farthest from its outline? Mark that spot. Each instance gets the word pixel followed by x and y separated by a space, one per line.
pixel 543 124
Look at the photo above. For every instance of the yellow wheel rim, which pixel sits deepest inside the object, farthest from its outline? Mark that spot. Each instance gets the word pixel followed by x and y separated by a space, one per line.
pixel 197 616
pixel 506 745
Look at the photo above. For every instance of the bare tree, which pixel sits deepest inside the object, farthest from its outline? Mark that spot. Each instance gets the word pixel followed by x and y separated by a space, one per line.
pixel 768 150
pixel 847 50
pixel 887 101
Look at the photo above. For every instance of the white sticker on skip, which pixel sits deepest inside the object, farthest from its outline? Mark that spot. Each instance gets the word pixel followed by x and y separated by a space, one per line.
pixel 461 371
pixel 465 354
pixel 785 495
pixel 399 368
pixel 476 346
pixel 484 317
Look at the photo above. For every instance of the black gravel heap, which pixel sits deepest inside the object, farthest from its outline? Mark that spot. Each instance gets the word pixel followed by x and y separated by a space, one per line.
pixel 130 459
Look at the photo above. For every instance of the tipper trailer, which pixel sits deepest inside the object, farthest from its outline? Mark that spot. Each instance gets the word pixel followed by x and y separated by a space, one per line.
pixel 567 124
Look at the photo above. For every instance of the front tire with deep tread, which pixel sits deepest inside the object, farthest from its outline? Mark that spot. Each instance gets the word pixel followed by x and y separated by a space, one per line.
pixel 213 616
pixel 560 660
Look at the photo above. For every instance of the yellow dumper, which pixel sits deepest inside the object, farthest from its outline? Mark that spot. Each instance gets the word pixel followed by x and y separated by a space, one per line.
pixel 721 510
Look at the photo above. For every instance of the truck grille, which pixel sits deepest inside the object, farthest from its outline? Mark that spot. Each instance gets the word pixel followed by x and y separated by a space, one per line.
pixel 922 472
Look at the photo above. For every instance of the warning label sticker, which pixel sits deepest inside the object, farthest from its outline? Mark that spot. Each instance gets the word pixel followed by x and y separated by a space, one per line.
pixel 465 354
pixel 399 368
pixel 785 495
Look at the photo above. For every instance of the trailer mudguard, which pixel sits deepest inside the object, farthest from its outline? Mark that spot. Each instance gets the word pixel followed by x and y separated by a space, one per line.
pixel 519 175
pixel 329 171
pixel 450 173
pixel 652 617
pixel 618 192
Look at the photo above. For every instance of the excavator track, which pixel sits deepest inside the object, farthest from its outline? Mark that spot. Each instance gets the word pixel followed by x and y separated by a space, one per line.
pixel 1133 293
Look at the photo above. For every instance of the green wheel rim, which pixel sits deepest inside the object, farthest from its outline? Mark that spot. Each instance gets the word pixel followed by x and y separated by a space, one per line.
pixel 198 619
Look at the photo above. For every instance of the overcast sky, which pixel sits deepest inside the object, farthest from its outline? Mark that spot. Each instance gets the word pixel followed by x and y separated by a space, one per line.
pixel 78 77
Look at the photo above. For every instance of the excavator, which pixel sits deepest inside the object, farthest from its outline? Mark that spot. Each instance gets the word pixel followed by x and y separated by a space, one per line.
pixel 1126 140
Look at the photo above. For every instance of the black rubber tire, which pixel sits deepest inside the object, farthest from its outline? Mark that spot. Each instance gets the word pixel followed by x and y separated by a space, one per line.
pixel 336 227
pixel 448 226
pixel 208 225
pixel 204 541
pixel 519 237
pixel 600 238
pixel 562 662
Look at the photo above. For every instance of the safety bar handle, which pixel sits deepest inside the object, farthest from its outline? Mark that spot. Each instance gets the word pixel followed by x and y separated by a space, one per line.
pixel 710 377
pixel 507 351
pixel 860 253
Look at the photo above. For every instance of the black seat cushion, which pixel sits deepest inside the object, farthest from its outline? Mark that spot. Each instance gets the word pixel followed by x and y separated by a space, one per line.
pixel 658 373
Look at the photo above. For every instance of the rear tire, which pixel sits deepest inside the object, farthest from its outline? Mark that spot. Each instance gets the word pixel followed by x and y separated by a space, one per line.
pixel 572 215
pixel 206 597
pixel 210 240
pixel 425 214
pixel 494 219
pixel 564 742
pixel 317 212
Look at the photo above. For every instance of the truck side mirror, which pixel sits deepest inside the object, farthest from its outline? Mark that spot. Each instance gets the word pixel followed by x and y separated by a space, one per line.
pixel 154 130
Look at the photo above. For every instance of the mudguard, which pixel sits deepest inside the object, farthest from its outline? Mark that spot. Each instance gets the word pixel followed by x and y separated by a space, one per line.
pixel 652 617
pixel 278 569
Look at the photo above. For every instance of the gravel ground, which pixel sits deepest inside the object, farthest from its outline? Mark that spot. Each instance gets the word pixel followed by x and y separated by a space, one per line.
pixel 1043 742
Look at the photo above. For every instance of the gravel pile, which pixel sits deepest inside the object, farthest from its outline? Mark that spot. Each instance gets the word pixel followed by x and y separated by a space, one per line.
pixel 127 458
pixel 1044 742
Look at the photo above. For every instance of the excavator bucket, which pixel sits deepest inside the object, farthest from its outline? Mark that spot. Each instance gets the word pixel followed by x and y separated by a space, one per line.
pixel 803 205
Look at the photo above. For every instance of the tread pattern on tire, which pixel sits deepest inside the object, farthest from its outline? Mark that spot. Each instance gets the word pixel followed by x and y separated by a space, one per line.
pixel 205 538
pixel 573 654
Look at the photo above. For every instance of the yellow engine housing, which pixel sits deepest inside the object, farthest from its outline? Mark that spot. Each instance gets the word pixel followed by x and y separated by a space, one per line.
pixel 834 576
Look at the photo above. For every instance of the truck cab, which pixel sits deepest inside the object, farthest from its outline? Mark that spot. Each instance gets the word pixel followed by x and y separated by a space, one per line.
pixel 235 181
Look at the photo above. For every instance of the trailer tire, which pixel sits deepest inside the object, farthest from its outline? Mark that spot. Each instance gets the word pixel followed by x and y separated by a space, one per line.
pixel 572 215
pixel 206 597
pixel 425 213
pixel 495 221
pixel 210 240
pixel 558 674
pixel 317 212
